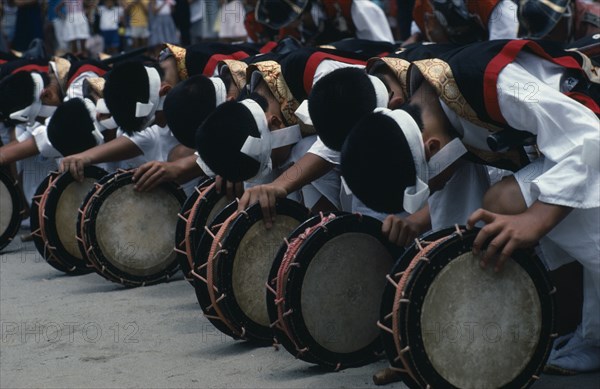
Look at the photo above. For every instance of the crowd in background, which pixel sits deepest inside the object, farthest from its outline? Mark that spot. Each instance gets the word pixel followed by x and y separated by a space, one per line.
pixel 94 26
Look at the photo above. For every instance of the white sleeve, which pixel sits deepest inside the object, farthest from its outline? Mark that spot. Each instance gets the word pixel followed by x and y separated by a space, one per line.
pixel 75 88
pixel 320 150
pixel 503 23
pixel 563 128
pixel 145 140
pixel 370 21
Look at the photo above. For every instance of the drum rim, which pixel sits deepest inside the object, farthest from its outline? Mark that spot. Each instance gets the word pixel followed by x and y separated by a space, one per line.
pixel 180 235
pixel 347 223
pixel 224 267
pixel 389 294
pixel 280 335
pixel 36 226
pixel 116 181
pixel 459 243
pixel 84 246
pixel 52 196
pixel 14 224
pixel 201 253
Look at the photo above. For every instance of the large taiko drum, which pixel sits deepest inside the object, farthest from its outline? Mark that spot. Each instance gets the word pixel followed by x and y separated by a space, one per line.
pixel 11 209
pixel 55 225
pixel 232 276
pixel 448 323
pixel 199 210
pixel 325 289
pixel 128 235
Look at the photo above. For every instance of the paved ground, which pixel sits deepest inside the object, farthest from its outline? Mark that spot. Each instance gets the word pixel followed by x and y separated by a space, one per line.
pixel 84 332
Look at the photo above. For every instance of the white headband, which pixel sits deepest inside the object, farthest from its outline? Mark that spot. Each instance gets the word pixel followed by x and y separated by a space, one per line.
pixel 260 148
pixel 208 171
pixel 101 107
pixel 155 101
pixel 36 108
pixel 220 90
pixel 97 132
pixel 381 92
pixel 416 196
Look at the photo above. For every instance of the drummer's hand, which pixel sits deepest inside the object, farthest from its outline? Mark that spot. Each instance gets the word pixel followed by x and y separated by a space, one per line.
pixel 233 190
pixel 152 174
pixel 267 196
pixel 511 232
pixel 75 164
pixel 399 231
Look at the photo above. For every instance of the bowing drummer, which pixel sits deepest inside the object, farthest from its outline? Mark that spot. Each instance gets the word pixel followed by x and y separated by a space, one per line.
pixel 462 106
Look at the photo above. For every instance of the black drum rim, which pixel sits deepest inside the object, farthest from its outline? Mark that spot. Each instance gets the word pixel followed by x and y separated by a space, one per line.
pixel 181 227
pixel 231 240
pixel 113 182
pixel 201 254
pixel 280 337
pixel 53 193
pixel 12 229
pixel 344 224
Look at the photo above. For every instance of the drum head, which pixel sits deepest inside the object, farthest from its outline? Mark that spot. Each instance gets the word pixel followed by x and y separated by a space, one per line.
pixel 200 267
pixel 243 269
pixel 133 232
pixel 62 201
pixel 335 292
pixel 11 209
pixel 473 328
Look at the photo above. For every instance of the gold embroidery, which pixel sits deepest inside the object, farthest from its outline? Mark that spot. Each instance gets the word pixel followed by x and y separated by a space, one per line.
pixel 271 73
pixel 399 68
pixel 62 71
pixel 179 54
pixel 96 85
pixel 237 70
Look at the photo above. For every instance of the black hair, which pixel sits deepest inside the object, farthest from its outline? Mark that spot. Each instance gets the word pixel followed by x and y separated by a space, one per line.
pixel 377 163
pixel 70 128
pixel 16 93
pixel 125 85
pixel 338 101
pixel 187 105
pixel 220 138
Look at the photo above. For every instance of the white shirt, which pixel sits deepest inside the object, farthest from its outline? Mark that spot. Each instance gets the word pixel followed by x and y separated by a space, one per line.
pixel 503 22
pixel 561 124
pixel 155 142
pixel 109 17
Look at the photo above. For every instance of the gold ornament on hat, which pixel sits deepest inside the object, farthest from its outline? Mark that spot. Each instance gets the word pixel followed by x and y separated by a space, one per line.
pixel 237 70
pixel 96 84
pixel 179 55
pixel 61 71
pixel 271 74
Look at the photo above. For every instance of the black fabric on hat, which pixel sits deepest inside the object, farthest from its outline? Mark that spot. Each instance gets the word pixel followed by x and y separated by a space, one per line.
pixel 187 105
pixel 377 163
pixel 220 138
pixel 197 56
pixel 126 85
pixel 16 93
pixel 70 128
pixel 338 101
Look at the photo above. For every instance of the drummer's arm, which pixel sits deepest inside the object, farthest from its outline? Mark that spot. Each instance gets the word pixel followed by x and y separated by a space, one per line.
pixel 16 151
pixel 119 149
pixel 151 174
pixel 308 168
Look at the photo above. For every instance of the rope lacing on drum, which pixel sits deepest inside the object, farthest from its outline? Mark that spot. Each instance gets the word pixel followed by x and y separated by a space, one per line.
pixel 459 232
pixel 338 366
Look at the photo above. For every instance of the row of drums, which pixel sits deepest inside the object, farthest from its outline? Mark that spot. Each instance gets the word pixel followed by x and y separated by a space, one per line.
pixel 328 288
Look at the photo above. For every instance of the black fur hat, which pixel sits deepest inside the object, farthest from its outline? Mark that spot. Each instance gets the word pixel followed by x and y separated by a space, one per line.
pixel 338 101
pixel 70 128
pixel 377 163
